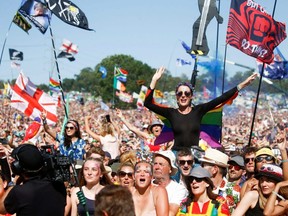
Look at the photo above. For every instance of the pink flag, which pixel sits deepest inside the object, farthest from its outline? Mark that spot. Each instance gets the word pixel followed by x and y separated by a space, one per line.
pixel 30 100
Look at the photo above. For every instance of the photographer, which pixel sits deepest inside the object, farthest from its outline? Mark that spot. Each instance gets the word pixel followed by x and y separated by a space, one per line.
pixel 33 193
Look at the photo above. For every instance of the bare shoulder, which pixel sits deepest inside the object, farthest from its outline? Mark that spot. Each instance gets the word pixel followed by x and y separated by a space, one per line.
pixel 158 190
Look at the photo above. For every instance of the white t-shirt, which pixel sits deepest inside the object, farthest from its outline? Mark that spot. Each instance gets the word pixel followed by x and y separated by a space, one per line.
pixel 176 192
pixel 110 144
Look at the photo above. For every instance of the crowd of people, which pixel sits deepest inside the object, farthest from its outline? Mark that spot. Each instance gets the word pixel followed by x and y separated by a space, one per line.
pixel 117 169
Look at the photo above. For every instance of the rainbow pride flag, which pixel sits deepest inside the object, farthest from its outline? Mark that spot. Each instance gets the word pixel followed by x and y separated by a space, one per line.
pixel 54 85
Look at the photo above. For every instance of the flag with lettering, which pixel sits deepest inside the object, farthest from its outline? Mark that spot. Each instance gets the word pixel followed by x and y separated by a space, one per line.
pixel 253 31
pixel 69 13
pixel 30 100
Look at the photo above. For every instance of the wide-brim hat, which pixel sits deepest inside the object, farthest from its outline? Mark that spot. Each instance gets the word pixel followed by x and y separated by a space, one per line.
pixel 170 157
pixel 271 171
pixel 155 123
pixel 214 156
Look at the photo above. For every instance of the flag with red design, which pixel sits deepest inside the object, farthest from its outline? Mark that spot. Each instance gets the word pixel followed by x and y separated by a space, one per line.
pixel 30 100
pixel 69 47
pixel 253 31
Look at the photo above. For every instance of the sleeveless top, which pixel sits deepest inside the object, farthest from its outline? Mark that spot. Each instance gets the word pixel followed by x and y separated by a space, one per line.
pixel 255 211
pixel 90 205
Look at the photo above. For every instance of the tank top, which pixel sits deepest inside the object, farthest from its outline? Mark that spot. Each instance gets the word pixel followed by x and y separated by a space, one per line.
pixel 255 211
pixel 90 205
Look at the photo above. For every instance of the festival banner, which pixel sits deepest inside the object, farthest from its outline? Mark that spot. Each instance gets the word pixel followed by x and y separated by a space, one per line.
pixel 21 22
pixel 68 12
pixel 253 31
pixel 15 55
pixel 37 13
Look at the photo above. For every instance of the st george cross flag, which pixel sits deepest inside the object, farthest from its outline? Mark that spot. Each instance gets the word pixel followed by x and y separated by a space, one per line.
pixel 253 31
pixel 68 47
pixel 30 100
pixel 68 12
pixel 15 55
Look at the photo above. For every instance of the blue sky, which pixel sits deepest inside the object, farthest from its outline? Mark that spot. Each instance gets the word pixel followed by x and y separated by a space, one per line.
pixel 147 30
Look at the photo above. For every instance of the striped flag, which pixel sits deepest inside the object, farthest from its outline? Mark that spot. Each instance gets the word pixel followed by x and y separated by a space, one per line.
pixel 54 85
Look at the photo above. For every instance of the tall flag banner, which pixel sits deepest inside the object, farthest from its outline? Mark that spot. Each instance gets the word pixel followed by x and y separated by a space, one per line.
pixel 7 90
pixel 253 31
pixel 181 62
pixel 141 97
pixel 103 71
pixel 68 12
pixel 125 97
pixel 54 85
pixel 21 22
pixel 37 13
pixel 31 101
pixel 68 47
pixel 15 55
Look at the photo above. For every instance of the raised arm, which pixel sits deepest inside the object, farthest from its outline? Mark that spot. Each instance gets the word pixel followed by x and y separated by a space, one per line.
pixel 282 144
pixel 46 127
pixel 131 127
pixel 247 82
pixel 89 131
pixel 270 208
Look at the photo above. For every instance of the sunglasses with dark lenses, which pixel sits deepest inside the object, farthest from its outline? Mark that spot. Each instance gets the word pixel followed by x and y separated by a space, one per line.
pixel 71 128
pixel 236 167
pixel 260 158
pixel 247 160
pixel 183 162
pixel 198 180
pixel 186 93
pixel 123 174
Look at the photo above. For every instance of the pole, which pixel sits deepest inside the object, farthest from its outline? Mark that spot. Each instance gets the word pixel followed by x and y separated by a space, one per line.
pixel 58 71
pixel 3 47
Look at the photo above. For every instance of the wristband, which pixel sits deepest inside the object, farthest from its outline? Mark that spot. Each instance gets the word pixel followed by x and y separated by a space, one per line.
pixel 278 195
pixel 286 160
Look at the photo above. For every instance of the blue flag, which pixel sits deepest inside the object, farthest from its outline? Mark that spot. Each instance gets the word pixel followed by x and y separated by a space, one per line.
pixel 103 71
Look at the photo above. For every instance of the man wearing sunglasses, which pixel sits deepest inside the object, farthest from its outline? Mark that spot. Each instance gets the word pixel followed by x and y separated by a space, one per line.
pixel 185 161
pixel 236 169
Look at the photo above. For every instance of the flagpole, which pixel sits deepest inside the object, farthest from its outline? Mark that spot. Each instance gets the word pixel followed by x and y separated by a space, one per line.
pixel 113 96
pixel 217 45
pixel 58 71
pixel 259 87
pixel 3 47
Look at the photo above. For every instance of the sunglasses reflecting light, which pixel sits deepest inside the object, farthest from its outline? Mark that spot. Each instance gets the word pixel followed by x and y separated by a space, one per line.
pixel 123 174
pixel 267 158
pixel 186 93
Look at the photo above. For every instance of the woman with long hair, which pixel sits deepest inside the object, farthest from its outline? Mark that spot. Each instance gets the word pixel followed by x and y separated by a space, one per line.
pixel 71 143
pixel 201 199
pixel 254 201
pixel 108 134
pixel 92 178
pixel 185 119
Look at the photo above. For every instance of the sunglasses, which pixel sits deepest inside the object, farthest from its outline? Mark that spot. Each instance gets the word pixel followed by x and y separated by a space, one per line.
pixel 183 162
pixel 198 180
pixel 71 128
pixel 236 167
pixel 123 174
pixel 186 93
pixel 247 160
pixel 267 158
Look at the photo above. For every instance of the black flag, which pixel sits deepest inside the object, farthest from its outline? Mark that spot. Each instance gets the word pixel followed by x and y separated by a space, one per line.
pixel 20 21
pixel 69 56
pixel 68 12
pixel 15 55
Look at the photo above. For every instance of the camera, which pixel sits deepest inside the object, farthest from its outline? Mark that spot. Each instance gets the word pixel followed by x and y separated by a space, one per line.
pixel 56 166
pixel 108 118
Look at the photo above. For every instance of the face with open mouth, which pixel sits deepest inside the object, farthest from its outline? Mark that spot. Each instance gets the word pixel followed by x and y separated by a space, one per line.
pixel 156 130
pixel 185 164
pixel 143 174
pixel 198 185
pixel 126 176
pixel 184 96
